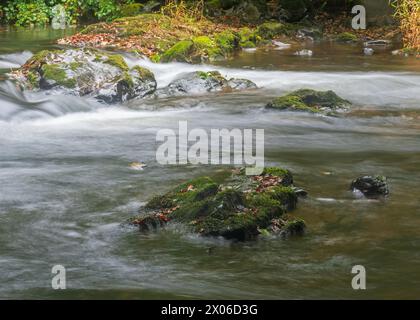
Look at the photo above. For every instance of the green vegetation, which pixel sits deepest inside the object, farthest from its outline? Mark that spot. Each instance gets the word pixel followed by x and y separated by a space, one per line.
pixel 237 209
pixel 309 101
pixel 40 12
pixel 143 73
pixel 248 38
pixel 291 102
pixel 178 52
pixel 346 37
pixel 54 73
pixel 117 61
pixel 270 30
pixel 408 12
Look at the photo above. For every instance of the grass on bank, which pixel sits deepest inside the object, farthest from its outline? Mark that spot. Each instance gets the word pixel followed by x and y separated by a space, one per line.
pixel 408 13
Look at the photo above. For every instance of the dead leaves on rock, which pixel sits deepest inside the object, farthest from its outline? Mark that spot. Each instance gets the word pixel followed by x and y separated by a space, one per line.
pixel 266 181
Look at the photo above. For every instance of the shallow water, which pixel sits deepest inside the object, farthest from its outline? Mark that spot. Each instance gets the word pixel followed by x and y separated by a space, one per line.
pixel 66 185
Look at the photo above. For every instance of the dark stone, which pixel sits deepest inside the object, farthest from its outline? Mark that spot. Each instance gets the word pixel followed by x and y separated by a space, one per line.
pixel 371 186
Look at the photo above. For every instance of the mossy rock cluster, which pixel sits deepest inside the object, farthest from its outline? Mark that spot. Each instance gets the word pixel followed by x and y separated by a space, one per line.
pixel 163 38
pixel 223 45
pixel 202 48
pixel 307 100
pixel 86 72
pixel 240 208
pixel 271 30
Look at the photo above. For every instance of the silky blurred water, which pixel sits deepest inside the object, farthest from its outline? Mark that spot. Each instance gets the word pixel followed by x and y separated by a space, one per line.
pixel 66 184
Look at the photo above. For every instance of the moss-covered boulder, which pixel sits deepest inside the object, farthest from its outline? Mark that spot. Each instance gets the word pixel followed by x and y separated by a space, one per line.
pixel 240 208
pixel 201 82
pixel 203 48
pixel 326 102
pixel 248 38
pixel 86 72
pixel 271 30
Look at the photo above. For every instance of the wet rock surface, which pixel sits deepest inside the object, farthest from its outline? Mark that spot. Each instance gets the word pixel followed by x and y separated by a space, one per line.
pixel 241 208
pixel 371 186
pixel 86 72
pixel 200 82
pixel 307 100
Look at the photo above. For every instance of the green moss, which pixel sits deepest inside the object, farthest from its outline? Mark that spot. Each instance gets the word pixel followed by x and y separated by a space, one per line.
pixel 203 75
pixel 295 227
pixel 143 73
pixel 160 202
pixel 227 41
pixel 204 46
pixel 346 37
pixel 216 75
pixel 290 102
pixel 118 61
pixel 248 38
pixel 130 9
pixel 309 100
pixel 265 208
pixel 248 44
pixel 36 61
pixel 191 211
pixel 156 58
pixel 75 65
pixel 127 78
pixel 178 52
pixel 230 210
pixel 55 73
pixel 325 99
pixel 203 42
pixel 227 218
pixel 285 195
pixel 189 191
pixel 41 55
pixel 270 30
pixel 33 79
pixel 275 171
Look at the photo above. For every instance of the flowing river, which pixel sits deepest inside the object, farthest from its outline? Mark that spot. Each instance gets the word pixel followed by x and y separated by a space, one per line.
pixel 66 184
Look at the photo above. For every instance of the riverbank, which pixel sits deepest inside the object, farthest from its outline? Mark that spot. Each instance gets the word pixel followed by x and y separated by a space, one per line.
pixel 164 38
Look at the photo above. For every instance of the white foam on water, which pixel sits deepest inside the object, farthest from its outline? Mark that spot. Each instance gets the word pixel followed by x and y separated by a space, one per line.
pixel 14 60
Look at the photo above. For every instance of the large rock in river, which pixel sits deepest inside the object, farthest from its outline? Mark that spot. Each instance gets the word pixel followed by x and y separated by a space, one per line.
pixel 200 82
pixel 241 208
pixel 307 100
pixel 84 72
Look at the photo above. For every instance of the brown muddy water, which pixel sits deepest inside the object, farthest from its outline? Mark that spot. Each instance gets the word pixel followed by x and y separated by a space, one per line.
pixel 66 184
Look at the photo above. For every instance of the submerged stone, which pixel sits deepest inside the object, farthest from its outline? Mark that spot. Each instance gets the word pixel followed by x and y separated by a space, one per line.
pixel 239 209
pixel 371 186
pixel 326 102
pixel 86 72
